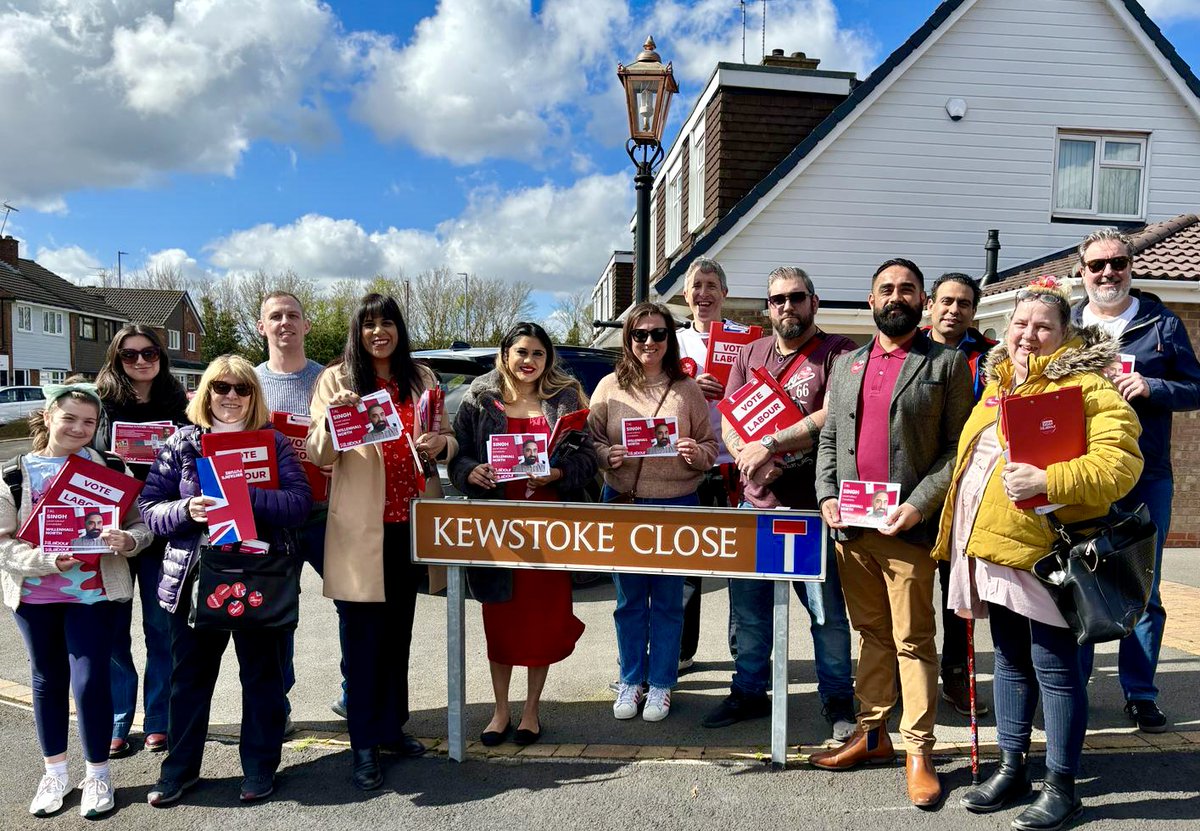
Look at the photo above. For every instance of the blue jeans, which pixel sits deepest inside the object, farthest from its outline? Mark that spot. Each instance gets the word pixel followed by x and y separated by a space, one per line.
pixel 156 630
pixel 1033 658
pixel 751 613
pixel 1137 658
pixel 649 617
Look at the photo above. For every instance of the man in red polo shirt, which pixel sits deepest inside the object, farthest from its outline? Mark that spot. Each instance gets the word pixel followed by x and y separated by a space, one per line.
pixel 894 411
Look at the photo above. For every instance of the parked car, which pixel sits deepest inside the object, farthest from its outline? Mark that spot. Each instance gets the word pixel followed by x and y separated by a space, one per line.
pixel 18 402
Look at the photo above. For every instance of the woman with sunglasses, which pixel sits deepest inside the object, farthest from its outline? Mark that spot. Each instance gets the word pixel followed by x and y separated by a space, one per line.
pixel 228 400
pixel 527 615
pixel 368 568
pixel 65 606
pixel 650 382
pixel 992 544
pixel 136 385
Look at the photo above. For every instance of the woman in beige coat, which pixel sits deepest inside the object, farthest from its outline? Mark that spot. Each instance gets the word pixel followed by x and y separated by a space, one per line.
pixel 368 567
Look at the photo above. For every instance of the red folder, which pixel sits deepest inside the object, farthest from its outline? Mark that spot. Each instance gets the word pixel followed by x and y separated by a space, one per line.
pixel 295 428
pixel 82 482
pixel 760 407
pixel 257 448
pixel 1042 430
pixel 571 421
pixel 724 348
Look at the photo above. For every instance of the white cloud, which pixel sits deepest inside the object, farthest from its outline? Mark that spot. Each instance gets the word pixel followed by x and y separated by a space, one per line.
pixel 101 94
pixel 71 263
pixel 177 259
pixel 555 238
pixel 1166 10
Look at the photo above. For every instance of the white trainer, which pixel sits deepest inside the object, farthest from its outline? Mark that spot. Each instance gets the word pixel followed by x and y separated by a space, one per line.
pixel 629 696
pixel 97 797
pixel 49 796
pixel 658 704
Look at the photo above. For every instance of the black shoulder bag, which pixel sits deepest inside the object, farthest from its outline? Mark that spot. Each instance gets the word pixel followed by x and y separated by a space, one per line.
pixel 1099 572
pixel 235 591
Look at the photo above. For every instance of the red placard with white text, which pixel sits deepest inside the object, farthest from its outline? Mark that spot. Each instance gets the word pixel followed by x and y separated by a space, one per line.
pixel 84 483
pixel 518 455
pixel 139 443
pixel 255 448
pixel 760 407
pixel 372 420
pixel 76 529
pixel 867 504
pixel 724 347
pixel 658 436
pixel 295 429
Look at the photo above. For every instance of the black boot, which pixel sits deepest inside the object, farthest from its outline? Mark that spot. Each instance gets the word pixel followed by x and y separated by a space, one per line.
pixel 1009 783
pixel 1054 807
pixel 367 775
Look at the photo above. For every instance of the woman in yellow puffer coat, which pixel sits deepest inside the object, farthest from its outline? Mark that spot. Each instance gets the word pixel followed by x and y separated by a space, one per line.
pixel 992 544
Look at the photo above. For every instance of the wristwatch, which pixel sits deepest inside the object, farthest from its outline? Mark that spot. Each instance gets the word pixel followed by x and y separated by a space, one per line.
pixel 769 443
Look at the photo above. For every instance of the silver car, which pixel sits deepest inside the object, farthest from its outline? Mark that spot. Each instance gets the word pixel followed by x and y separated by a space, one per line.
pixel 18 402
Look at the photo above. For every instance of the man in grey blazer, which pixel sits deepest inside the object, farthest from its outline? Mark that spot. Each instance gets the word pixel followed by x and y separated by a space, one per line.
pixel 895 408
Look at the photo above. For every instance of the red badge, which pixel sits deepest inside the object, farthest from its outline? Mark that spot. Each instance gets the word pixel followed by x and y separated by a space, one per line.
pixel 213 601
pixel 239 590
pixel 857 367
pixel 255 599
pixel 222 591
pixel 235 608
pixel 689 366
pixel 991 401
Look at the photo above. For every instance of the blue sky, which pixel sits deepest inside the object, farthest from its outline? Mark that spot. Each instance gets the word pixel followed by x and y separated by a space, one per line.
pixel 358 137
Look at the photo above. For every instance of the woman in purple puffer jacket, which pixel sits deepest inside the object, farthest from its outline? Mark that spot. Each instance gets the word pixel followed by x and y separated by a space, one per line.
pixel 229 399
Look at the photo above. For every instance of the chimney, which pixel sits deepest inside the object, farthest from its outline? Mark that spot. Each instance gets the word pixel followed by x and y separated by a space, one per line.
pixel 796 60
pixel 991 257
pixel 8 251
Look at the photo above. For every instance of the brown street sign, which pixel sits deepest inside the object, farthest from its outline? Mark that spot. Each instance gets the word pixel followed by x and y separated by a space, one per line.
pixel 776 545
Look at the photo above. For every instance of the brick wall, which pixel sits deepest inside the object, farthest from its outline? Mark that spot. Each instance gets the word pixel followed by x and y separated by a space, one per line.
pixel 1185 455
pixel 192 325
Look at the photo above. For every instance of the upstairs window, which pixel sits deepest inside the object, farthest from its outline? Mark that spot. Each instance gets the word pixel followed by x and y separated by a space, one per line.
pixel 191 341
pixel 87 328
pixel 24 319
pixel 1100 176
pixel 674 227
pixel 52 323
pixel 696 179
pixel 173 339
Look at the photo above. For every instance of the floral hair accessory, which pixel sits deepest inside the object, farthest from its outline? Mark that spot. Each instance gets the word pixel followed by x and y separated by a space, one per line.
pixel 1046 281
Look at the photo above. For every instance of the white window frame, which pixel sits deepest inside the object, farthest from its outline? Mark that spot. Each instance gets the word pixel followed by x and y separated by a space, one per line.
pixel 654 231
pixel 598 310
pixel 1099 138
pixel 674 222
pixel 173 339
pixel 191 341
pixel 54 376
pixel 696 172
pixel 84 322
pixel 24 315
pixel 52 323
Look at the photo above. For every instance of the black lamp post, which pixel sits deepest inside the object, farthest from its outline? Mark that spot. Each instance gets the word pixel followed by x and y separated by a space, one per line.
pixel 648 89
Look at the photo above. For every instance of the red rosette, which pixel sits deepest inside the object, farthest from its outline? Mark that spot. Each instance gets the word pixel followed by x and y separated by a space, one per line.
pixel 688 365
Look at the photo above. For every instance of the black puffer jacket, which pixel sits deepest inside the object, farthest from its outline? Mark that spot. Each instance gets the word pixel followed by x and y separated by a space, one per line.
pixel 480 415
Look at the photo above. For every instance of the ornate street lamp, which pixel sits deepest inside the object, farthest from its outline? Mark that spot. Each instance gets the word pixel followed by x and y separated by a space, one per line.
pixel 648 89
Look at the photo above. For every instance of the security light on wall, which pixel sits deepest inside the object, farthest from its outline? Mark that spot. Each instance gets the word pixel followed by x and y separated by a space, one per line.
pixel 956 108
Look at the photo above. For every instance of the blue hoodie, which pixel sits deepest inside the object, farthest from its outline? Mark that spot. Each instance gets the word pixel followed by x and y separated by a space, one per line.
pixel 1163 354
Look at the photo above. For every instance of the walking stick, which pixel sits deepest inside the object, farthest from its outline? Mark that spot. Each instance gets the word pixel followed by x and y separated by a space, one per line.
pixel 971 689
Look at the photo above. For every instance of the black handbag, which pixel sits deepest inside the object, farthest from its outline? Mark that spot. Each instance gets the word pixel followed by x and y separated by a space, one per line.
pixel 1100 571
pixel 235 591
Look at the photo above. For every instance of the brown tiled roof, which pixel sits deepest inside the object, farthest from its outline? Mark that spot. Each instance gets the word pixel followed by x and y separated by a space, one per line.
pixel 1167 250
pixel 149 306
pixel 34 284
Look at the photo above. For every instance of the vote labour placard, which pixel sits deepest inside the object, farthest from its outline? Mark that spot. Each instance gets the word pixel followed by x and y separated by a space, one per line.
pixel 776 545
pixel 295 427
pixel 257 449
pixel 84 483
pixel 724 346
pixel 760 407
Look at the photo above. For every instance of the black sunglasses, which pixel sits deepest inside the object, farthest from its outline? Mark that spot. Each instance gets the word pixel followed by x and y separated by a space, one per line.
pixel 795 298
pixel 657 335
pixel 1117 263
pixel 223 388
pixel 129 356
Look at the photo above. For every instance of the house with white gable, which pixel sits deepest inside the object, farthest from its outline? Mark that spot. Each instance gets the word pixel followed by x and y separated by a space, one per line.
pixel 1040 118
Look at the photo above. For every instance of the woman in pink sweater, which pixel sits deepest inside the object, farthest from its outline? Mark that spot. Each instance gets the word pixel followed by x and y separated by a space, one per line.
pixel 650 383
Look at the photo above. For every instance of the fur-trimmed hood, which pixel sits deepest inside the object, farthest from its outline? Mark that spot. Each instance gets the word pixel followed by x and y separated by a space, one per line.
pixel 1089 349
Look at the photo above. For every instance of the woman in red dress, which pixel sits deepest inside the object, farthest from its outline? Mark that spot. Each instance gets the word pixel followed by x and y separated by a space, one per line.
pixel 527 613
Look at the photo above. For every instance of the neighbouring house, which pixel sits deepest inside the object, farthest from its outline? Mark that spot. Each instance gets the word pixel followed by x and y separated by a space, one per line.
pixel 174 316
pixel 1167 265
pixel 1042 120
pixel 613 292
pixel 50 328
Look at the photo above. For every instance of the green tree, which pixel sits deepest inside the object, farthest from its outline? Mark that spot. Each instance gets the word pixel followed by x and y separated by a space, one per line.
pixel 220 327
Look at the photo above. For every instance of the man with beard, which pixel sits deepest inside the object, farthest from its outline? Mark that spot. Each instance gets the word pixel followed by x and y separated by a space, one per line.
pixel 93 526
pixel 778 471
pixel 1165 379
pixel 894 413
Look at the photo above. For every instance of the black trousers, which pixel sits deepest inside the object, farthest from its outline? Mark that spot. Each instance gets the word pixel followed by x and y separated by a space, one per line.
pixel 196 661
pixel 954 628
pixel 375 647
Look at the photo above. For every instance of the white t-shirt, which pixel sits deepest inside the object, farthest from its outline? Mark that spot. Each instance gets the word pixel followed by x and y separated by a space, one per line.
pixel 694 345
pixel 1115 326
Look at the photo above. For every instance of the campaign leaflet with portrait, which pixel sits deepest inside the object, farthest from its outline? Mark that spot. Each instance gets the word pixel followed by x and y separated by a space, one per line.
pixel 76 529
pixel 372 420
pixel 1126 362
pixel 295 429
pixel 84 483
pixel 139 443
pixel 256 448
pixel 656 436
pixel 223 480
pixel 516 456
pixel 867 504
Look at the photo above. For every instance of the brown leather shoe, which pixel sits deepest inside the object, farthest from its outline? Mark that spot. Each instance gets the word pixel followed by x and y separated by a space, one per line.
pixel 872 747
pixel 156 742
pixel 924 787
